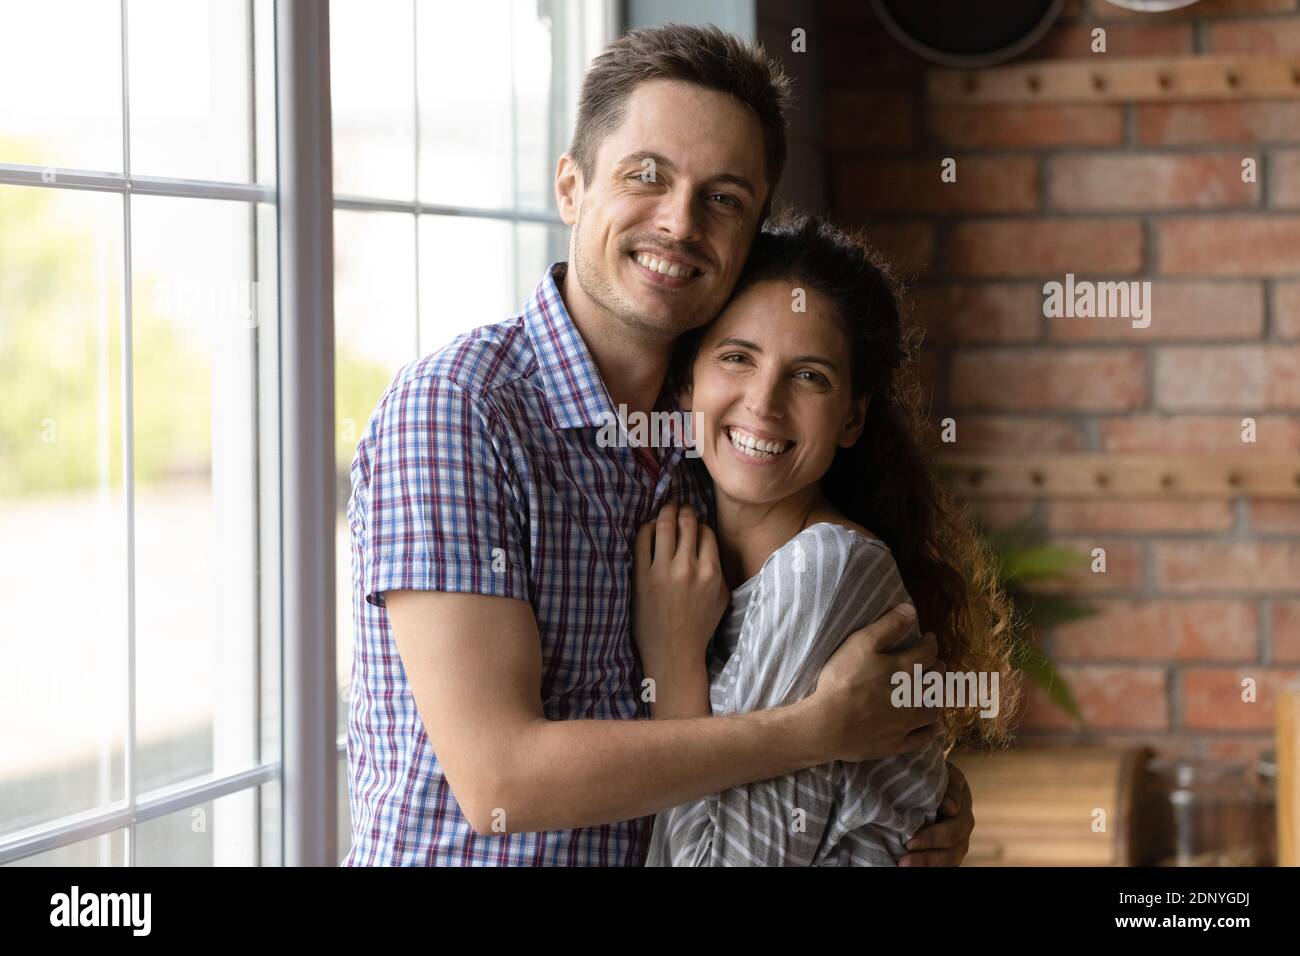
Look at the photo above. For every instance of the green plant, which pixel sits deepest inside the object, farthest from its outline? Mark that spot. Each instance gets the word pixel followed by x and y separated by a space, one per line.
pixel 1023 560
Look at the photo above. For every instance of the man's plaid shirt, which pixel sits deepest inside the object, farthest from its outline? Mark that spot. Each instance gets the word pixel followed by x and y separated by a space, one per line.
pixel 480 472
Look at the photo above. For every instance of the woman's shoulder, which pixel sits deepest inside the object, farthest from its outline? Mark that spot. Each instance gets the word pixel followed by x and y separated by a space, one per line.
pixel 829 547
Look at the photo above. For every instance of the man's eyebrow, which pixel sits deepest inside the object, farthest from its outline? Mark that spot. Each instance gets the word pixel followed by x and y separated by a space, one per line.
pixel 638 159
pixel 754 347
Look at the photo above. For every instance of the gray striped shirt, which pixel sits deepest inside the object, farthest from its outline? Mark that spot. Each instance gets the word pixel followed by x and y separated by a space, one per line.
pixel 784 623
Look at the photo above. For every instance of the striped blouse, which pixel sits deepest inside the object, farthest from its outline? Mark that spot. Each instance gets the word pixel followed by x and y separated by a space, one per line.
pixel 784 623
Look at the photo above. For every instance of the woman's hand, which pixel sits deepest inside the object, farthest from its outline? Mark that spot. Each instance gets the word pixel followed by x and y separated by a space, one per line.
pixel 946 841
pixel 678 597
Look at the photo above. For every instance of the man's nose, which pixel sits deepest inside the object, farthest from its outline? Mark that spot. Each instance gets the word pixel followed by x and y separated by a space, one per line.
pixel 677 215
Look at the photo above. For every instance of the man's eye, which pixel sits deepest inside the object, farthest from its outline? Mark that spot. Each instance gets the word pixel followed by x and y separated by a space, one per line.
pixel 727 199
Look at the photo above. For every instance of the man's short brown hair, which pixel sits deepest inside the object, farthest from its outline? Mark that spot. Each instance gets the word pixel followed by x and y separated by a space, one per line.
pixel 705 56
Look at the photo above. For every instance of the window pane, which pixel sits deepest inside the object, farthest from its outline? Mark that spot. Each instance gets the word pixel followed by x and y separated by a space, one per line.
pixel 190 73
pixel 466 276
pixel 195 475
pixel 61 73
pixel 62 516
pixel 541 131
pixel 372 77
pixel 466 147
pixel 106 850
pixel 374 333
pixel 539 246
pixel 227 831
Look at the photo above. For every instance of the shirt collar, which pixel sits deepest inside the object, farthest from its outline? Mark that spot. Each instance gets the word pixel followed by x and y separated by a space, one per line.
pixel 573 387
pixel 575 392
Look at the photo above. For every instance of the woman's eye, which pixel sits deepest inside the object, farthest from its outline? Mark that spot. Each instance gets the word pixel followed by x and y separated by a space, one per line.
pixel 816 378
pixel 733 355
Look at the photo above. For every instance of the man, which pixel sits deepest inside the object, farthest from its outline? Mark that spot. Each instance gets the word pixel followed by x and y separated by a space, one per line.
pixel 495 682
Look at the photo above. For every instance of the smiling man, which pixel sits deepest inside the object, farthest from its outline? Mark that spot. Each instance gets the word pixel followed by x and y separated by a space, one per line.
pixel 496 716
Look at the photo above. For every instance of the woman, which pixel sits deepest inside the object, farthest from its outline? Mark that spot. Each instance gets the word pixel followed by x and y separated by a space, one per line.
pixel 827 517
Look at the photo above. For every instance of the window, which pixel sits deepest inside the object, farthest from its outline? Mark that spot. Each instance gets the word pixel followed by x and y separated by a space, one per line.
pixel 140 393
pixel 137 372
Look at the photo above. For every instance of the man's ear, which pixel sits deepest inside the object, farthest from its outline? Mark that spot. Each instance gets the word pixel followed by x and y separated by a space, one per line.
pixel 855 422
pixel 568 188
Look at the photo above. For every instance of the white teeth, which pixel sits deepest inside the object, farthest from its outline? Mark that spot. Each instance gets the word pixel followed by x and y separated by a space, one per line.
pixel 758 447
pixel 664 267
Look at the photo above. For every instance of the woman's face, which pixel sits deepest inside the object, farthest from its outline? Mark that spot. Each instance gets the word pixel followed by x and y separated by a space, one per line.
pixel 769 375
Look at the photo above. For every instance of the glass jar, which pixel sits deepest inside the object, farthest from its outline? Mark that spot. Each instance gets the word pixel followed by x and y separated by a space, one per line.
pixel 1205 813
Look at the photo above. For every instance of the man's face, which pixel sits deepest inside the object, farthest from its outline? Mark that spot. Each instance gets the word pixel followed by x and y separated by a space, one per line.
pixel 663 227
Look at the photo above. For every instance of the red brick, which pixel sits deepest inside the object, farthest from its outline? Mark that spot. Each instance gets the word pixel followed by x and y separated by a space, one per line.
pixel 1252 567
pixel 1111 698
pixel 909 246
pixel 1135 182
pixel 867 59
pixel 1197 434
pixel 979 312
pixel 1103 10
pixel 1190 515
pixel 1228 376
pixel 1129 39
pixel 1180 310
pixel 1284 176
pixel 983 184
pixel 1271 37
pixel 1045 247
pixel 1124 567
pixel 1037 379
pixel 1241 121
pixel 1162 630
pixel 865 120
pixel 1212 697
pixel 995 433
pixel 1229 245
pixel 996 513
pixel 1284 627
pixel 1286 309
pixel 1003 127
pixel 1275 516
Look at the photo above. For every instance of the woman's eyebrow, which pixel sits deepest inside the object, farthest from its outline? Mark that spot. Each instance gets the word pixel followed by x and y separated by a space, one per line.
pixel 754 347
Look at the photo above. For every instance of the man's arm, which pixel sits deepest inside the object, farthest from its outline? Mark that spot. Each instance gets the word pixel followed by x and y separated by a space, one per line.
pixel 474 665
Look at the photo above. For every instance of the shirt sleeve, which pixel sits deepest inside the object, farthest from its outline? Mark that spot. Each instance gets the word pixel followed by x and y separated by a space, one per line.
pixel 808 600
pixel 444 507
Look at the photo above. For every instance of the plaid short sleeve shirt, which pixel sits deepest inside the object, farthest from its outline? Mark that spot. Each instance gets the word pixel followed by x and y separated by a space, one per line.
pixel 481 471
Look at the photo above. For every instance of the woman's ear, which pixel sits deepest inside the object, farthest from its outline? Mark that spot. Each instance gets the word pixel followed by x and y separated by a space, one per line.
pixel 856 421
pixel 684 397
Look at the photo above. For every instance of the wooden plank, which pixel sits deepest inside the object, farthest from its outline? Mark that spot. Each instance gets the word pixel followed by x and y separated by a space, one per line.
pixel 1106 79
pixel 1111 476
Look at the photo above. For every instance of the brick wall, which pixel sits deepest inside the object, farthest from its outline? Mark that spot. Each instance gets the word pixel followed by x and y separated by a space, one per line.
pixel 1198 594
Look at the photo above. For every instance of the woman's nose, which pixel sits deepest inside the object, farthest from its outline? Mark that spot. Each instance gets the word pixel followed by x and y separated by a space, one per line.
pixel 764 398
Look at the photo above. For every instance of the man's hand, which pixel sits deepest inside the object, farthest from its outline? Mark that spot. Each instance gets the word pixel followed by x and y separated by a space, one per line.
pixel 855 715
pixel 946 841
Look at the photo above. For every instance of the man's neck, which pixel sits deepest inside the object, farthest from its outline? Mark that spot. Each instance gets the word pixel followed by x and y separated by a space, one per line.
pixel 632 369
